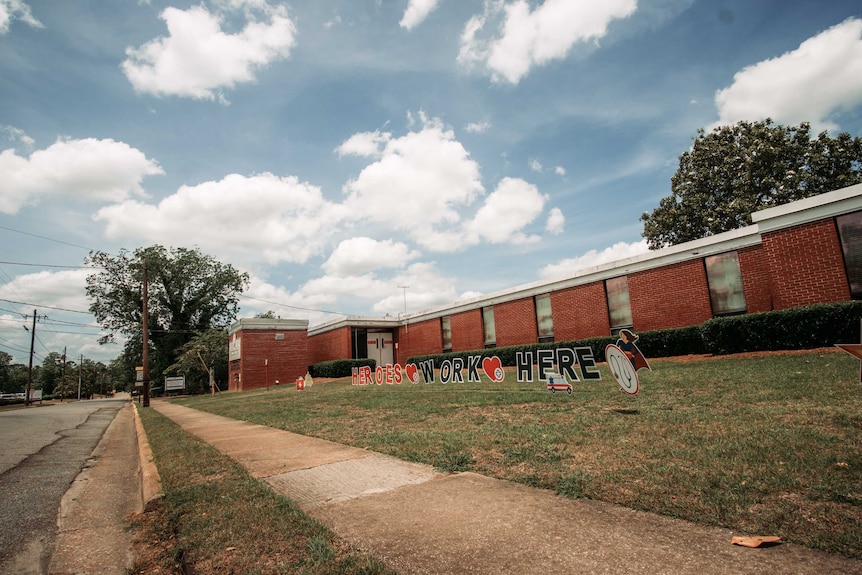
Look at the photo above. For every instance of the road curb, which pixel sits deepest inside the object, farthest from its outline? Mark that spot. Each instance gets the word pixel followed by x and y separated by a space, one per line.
pixel 151 481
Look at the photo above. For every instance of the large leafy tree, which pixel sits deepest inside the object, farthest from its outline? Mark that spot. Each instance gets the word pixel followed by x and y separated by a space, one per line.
pixel 735 170
pixel 189 292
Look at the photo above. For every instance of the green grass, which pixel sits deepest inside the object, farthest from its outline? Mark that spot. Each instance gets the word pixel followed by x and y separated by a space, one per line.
pixel 766 445
pixel 216 518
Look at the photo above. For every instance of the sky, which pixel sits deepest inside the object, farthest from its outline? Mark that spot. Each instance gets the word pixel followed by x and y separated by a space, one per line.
pixel 374 157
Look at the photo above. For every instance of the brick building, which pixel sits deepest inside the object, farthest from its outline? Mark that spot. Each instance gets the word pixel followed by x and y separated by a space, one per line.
pixel 264 352
pixel 806 252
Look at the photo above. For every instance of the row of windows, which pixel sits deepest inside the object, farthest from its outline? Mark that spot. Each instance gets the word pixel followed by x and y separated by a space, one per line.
pixel 724 280
pixel 725 293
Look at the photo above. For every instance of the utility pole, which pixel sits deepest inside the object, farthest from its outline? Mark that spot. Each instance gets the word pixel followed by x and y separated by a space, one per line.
pixel 145 328
pixel 80 374
pixel 63 377
pixel 404 288
pixel 30 370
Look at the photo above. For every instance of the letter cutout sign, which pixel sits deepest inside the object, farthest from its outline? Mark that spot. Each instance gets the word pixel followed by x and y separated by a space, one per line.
pixel 624 360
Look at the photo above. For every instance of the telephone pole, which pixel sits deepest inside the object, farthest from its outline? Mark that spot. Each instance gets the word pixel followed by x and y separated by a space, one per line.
pixel 30 370
pixel 80 375
pixel 145 356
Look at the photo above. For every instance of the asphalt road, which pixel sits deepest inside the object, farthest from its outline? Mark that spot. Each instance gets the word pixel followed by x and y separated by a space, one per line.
pixel 42 450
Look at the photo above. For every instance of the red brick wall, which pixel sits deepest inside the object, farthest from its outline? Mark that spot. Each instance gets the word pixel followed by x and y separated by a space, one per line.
pixel 422 338
pixel 806 265
pixel 672 296
pixel 756 281
pixel 580 312
pixel 467 331
pixel 288 359
pixel 335 344
pixel 515 322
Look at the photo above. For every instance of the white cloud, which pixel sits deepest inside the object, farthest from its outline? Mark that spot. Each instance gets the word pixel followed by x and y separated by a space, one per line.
pixel 14 134
pixel 48 290
pixel 425 184
pixel 529 37
pixel 514 204
pixel 362 254
pixel 62 289
pixel 592 258
pixel 417 183
pixel 90 169
pixel 15 10
pixel 560 171
pixel 477 127
pixel 364 144
pixel 416 12
pixel 262 297
pixel 821 77
pixel 259 217
pixel 427 288
pixel 536 166
pixel 198 57
pixel 556 222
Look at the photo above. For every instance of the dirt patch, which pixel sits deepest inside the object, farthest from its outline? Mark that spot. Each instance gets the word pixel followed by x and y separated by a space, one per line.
pixel 746 355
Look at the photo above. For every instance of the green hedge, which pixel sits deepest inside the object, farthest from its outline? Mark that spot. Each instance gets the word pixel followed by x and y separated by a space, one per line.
pixel 808 327
pixel 339 367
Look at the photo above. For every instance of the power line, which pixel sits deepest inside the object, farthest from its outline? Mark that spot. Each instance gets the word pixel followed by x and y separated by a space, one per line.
pixel 37 305
pixel 50 266
pixel 293 306
pixel 47 238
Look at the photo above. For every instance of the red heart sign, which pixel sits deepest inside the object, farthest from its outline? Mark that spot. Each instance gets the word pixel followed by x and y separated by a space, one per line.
pixel 412 372
pixel 493 368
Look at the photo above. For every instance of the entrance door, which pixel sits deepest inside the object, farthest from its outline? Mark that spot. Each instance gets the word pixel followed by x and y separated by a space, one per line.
pixel 380 347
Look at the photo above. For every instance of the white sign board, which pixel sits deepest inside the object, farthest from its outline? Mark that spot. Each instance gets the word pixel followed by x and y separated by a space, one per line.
pixel 234 348
pixel 175 383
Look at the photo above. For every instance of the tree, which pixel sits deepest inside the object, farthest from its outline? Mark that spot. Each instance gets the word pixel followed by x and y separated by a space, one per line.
pixel 210 347
pixel 189 292
pixel 736 170
pixel 6 383
pixel 49 375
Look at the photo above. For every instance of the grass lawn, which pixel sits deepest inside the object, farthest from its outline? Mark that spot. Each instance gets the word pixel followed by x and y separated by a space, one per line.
pixel 216 518
pixel 765 445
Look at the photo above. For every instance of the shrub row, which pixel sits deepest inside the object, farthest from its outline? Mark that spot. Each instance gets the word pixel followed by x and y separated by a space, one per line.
pixel 339 367
pixel 820 325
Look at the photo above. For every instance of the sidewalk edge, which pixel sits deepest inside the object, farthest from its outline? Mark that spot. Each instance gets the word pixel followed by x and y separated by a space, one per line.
pixel 151 481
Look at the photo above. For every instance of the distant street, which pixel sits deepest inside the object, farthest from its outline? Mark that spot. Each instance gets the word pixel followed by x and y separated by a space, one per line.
pixel 42 450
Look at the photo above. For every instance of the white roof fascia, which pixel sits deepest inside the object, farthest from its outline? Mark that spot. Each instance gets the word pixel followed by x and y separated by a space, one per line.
pixel 268 324
pixel 717 244
pixel 811 209
pixel 353 321
pixel 815 208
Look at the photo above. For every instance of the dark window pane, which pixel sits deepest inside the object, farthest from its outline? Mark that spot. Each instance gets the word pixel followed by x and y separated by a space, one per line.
pixel 446 328
pixel 850 230
pixel 619 305
pixel 544 318
pixel 725 284
pixel 488 323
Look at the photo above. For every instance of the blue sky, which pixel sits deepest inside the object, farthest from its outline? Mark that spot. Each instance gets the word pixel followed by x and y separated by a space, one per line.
pixel 339 149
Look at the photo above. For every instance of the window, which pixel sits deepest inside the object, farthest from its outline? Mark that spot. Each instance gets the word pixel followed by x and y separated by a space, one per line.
pixel 850 231
pixel 488 326
pixel 544 318
pixel 619 305
pixel 446 330
pixel 725 284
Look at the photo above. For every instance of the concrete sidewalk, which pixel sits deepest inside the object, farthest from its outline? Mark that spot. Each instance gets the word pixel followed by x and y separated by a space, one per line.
pixel 94 533
pixel 418 520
